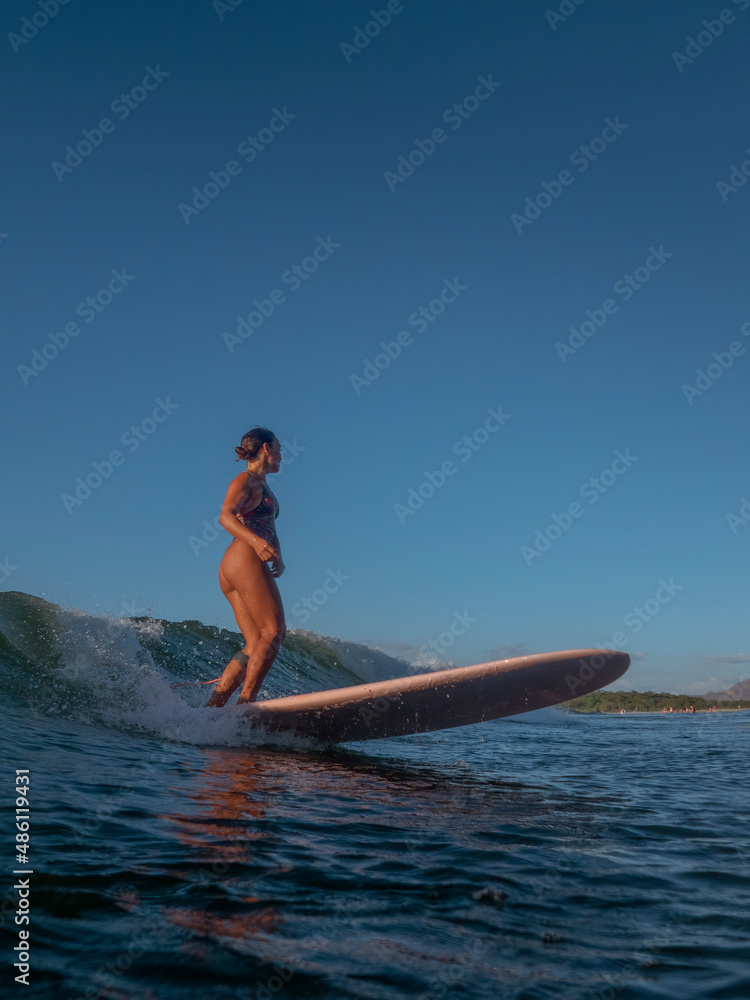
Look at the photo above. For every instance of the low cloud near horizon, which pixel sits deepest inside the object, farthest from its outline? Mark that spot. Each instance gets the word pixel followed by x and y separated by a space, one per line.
pixel 505 652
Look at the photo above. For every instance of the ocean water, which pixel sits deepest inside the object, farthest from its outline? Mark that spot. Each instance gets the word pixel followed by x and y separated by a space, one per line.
pixel 552 855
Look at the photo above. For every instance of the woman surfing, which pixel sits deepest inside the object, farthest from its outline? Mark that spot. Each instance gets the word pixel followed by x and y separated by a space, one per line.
pixel 249 512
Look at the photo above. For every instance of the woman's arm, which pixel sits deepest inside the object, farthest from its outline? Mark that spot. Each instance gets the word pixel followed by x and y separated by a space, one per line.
pixel 277 566
pixel 242 488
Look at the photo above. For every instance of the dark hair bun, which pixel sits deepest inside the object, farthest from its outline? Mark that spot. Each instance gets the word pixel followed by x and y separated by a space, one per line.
pixel 252 442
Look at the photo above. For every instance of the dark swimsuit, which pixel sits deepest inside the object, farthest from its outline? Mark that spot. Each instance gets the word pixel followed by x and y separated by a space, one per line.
pixel 260 519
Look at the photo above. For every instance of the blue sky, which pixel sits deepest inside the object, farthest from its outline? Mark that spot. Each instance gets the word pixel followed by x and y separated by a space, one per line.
pixel 513 171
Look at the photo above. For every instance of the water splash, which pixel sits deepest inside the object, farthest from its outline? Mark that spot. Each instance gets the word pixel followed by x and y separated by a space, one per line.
pixel 118 672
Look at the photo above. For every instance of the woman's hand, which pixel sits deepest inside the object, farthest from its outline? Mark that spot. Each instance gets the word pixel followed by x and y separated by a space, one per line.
pixel 266 551
pixel 277 567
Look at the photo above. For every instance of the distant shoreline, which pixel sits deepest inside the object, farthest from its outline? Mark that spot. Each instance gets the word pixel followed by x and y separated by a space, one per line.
pixel 638 702
pixel 656 711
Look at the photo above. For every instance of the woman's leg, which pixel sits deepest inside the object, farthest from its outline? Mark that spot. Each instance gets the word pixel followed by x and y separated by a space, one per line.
pixel 234 673
pixel 251 590
pixel 261 598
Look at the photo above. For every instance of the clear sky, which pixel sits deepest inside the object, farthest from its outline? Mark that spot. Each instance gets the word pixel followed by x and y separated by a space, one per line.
pixel 490 242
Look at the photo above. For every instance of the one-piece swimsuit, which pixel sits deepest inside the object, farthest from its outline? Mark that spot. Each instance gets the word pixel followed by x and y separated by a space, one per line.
pixel 260 519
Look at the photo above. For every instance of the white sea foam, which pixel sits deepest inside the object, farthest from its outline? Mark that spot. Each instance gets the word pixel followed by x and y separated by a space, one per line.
pixel 105 676
pixel 545 717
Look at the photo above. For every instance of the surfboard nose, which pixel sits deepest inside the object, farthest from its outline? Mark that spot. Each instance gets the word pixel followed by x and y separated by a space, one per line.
pixel 592 669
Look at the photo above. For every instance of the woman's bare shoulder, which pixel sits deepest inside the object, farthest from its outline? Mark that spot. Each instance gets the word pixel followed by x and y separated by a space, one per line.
pixel 243 486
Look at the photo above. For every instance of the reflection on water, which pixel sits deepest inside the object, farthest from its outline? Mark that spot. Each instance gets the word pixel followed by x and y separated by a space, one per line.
pixel 496 861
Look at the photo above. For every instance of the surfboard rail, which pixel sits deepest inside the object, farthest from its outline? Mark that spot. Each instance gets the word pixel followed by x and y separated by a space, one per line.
pixel 439 699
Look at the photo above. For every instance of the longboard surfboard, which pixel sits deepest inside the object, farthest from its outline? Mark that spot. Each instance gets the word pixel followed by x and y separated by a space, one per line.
pixel 439 700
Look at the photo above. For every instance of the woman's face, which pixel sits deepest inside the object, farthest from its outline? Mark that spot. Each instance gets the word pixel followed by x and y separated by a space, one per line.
pixel 274 455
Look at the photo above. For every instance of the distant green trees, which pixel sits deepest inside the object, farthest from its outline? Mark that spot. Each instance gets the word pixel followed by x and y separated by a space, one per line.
pixel 644 701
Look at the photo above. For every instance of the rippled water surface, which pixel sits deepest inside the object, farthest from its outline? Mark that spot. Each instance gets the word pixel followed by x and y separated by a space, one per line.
pixel 503 860
pixel 561 856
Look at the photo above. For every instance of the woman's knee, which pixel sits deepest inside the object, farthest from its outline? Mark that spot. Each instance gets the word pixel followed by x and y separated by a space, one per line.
pixel 274 634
